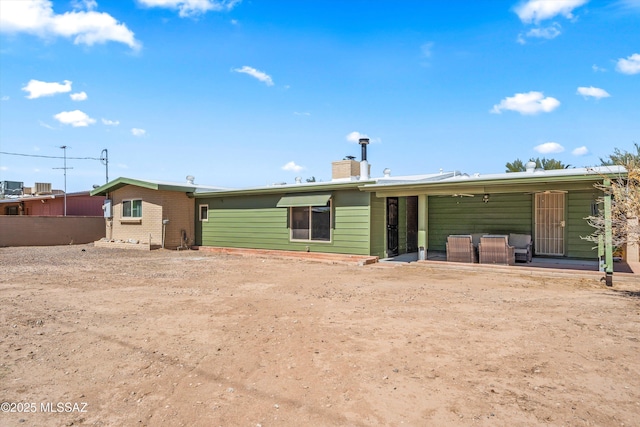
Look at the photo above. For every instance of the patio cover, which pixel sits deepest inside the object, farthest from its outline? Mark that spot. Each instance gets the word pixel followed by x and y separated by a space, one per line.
pixel 304 199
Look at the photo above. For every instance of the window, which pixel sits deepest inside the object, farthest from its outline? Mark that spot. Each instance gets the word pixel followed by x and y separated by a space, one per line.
pixel 132 208
pixel 11 210
pixel 311 223
pixel 204 213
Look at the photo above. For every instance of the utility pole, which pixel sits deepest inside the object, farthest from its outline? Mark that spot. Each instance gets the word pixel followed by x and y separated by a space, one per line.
pixel 64 147
pixel 104 158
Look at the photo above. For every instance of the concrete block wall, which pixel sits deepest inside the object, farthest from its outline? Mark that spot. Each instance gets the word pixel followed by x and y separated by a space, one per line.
pixel 22 230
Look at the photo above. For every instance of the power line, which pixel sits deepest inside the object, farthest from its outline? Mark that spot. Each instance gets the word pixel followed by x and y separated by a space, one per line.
pixel 104 159
pixel 50 157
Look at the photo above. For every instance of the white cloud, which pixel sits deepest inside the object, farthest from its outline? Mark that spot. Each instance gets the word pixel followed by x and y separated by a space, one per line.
pixel 192 7
pixel 630 65
pixel 593 92
pixel 263 77
pixel 80 96
pixel 296 113
pixel 5 98
pixel 527 103
pixel 629 5
pixel 84 26
pixel 549 147
pixel 541 10
pixel 597 69
pixel 550 32
pixel 138 132
pixel 75 118
pixel 355 136
pixel 36 88
pixel 84 4
pixel 580 151
pixel 110 122
pixel 291 166
pixel 4 168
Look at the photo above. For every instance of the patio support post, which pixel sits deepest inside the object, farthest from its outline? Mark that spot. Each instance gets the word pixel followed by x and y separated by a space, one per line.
pixel 422 226
pixel 608 237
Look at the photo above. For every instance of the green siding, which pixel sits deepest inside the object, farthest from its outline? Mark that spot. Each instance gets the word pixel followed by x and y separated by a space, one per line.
pixel 503 214
pixel 578 208
pixel 256 222
pixel 378 226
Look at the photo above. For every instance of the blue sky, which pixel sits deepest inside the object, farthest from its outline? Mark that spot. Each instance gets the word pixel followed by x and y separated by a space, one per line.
pixel 253 92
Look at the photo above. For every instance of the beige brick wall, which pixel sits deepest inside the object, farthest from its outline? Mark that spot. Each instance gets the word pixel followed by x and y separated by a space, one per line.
pixel 175 206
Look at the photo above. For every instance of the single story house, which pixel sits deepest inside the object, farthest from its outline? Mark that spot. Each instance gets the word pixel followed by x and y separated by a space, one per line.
pixel 147 213
pixel 388 216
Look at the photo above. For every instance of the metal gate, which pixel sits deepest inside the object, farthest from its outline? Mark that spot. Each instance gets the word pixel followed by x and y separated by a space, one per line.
pixel 392 227
pixel 549 224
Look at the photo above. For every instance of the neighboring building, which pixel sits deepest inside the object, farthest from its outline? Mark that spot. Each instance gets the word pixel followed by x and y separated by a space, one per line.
pixel 150 213
pixel 53 204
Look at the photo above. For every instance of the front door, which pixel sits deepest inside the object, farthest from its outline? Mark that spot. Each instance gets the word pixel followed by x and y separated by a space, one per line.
pixel 549 224
pixel 392 226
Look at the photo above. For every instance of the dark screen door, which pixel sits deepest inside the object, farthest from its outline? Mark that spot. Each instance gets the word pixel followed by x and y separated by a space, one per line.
pixel 392 226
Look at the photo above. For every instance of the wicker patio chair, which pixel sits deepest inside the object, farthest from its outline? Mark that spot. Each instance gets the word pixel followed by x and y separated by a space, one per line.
pixel 496 250
pixel 522 246
pixel 461 249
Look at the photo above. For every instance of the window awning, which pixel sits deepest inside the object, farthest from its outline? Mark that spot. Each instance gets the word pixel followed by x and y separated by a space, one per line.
pixel 304 199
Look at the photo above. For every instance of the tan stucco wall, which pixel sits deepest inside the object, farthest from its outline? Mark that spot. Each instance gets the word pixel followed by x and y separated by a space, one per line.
pixel 175 206
pixel 23 230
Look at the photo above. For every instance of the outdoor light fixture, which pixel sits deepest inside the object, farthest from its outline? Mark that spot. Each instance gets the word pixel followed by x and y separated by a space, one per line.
pixel 485 198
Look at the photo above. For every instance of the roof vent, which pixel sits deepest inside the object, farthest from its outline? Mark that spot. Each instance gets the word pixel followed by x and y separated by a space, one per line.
pixel 530 167
pixel 298 180
pixel 386 172
pixel 190 179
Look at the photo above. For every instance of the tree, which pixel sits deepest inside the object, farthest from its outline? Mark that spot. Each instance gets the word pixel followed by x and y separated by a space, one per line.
pixel 515 166
pixel 544 163
pixel 624 158
pixel 550 164
pixel 625 201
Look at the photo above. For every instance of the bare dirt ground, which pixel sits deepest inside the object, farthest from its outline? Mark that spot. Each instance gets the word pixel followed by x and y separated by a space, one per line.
pixel 103 337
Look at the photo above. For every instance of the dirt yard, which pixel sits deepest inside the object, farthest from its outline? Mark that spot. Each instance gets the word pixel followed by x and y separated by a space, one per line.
pixel 103 337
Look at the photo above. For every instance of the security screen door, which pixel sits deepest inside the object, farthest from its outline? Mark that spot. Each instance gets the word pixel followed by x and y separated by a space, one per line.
pixel 549 223
pixel 392 227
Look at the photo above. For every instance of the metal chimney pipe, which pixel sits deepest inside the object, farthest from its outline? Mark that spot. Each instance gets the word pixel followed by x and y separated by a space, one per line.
pixel 363 143
pixel 364 165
